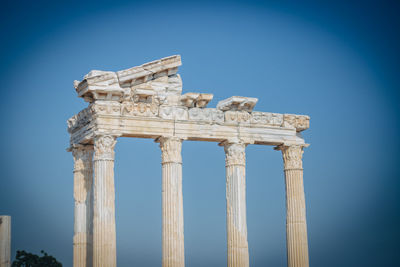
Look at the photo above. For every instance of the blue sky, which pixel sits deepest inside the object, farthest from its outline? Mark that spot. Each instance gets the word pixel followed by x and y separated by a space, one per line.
pixel 337 62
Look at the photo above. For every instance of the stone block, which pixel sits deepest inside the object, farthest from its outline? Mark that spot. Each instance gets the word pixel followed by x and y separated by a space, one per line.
pixel 173 113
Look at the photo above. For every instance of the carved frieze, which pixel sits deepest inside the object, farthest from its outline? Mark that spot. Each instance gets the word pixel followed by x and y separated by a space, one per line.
pixel 266 118
pixel 139 109
pixel 173 113
pixel 153 91
pixel 143 102
pixel 104 147
pixel 237 116
pixel 207 114
pixel 106 108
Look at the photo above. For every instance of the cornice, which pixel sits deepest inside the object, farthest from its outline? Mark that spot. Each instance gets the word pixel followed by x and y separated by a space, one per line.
pixel 151 94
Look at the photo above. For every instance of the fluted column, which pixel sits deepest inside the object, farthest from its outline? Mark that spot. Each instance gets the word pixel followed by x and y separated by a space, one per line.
pixel 83 178
pixel 172 204
pixel 235 159
pixel 104 239
pixel 296 226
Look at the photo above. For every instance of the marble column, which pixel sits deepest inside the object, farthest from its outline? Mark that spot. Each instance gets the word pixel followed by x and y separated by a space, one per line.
pixel 5 241
pixel 296 227
pixel 173 252
pixel 83 179
pixel 235 159
pixel 104 238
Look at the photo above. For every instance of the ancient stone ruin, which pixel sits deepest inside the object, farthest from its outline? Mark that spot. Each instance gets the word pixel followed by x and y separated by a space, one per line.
pixel 147 102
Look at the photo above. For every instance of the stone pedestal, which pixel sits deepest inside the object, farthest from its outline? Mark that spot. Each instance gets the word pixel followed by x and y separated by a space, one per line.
pixel 296 226
pixel 83 179
pixel 173 252
pixel 238 251
pixel 5 241
pixel 104 238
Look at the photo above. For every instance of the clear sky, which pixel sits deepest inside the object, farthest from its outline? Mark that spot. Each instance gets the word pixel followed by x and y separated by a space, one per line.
pixel 337 62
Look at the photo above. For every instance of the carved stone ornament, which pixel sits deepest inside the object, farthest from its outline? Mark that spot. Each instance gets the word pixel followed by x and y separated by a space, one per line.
pixel 82 157
pixel 206 114
pixel 139 109
pixel 234 153
pixel 171 148
pixel 266 118
pixel 106 108
pixel 300 122
pixel 146 101
pixel 237 103
pixel 79 120
pixel 237 116
pixel 104 147
pixel 292 156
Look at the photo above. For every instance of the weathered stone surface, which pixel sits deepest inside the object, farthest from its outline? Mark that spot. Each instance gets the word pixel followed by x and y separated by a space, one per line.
pixel 173 113
pixel 173 251
pixel 147 102
pixel 235 162
pixel 189 99
pixel 198 100
pixel 296 226
pixel 299 122
pixel 99 85
pixel 167 66
pixel 139 109
pixel 154 92
pixel 104 235
pixel 164 90
pixel 237 103
pixel 211 115
pixel 108 85
pixel 5 241
pixel 203 100
pixel 266 118
pixel 237 116
pixel 106 108
pixel 79 120
pixel 83 181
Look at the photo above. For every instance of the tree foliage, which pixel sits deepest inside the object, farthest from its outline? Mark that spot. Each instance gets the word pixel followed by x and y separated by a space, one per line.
pixel 26 259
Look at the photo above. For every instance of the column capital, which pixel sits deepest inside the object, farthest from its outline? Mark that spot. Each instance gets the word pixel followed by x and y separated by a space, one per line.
pixel 235 152
pixel 104 147
pixel 83 155
pixel 171 147
pixel 292 155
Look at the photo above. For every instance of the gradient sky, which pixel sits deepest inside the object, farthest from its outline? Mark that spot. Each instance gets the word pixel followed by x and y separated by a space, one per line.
pixel 337 62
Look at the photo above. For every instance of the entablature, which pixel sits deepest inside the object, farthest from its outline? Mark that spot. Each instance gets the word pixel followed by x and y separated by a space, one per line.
pixel 147 101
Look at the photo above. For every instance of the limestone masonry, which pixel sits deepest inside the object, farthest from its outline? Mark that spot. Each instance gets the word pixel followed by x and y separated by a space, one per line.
pixel 5 241
pixel 147 102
